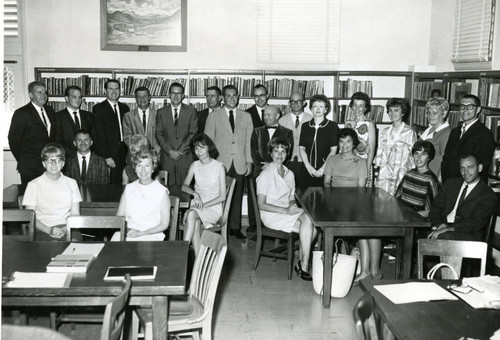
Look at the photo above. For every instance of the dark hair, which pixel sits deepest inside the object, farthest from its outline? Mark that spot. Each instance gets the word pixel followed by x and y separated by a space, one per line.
pixel 401 102
pixel 259 86
pixel 111 81
pixel 145 154
pixel 467 155
pixel 214 88
pixel 320 98
pixel 477 102
pixel 83 132
pixel 203 140
pixel 361 96
pixel 72 87
pixel 279 141
pixel 436 91
pixel 176 84
pixel 425 146
pixel 229 87
pixel 32 85
pixel 140 89
pixel 53 149
pixel 347 132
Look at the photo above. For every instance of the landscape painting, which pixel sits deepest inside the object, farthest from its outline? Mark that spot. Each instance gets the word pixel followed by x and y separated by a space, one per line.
pixel 144 25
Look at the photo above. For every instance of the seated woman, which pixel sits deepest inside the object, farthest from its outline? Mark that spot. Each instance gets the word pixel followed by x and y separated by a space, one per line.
pixel 209 189
pixel 52 196
pixel 346 169
pixel 138 143
pixel 276 200
pixel 144 203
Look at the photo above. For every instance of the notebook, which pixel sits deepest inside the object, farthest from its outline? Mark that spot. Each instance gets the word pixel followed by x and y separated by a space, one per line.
pixel 136 273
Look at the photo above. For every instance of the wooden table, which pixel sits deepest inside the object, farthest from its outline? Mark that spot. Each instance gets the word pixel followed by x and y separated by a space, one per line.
pixel 90 289
pixel 438 320
pixel 360 212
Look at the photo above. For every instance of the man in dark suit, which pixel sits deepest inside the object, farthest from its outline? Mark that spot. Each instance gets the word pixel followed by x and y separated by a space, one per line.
pixel 261 97
pixel 107 130
pixel 86 167
pixel 30 130
pixel 176 125
pixel 471 137
pixel 214 98
pixel 464 206
pixel 70 120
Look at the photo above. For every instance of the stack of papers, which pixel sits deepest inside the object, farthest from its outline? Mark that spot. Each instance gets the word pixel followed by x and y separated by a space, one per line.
pixel 414 292
pixel 485 291
pixel 39 280
pixel 76 258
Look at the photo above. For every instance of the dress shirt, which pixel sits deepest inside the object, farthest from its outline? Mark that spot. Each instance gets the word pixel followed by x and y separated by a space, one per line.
pixel 451 216
pixel 141 111
pixel 113 106
pixel 178 112
pixel 227 112
pixel 80 160
pixel 271 130
pixel 467 126
pixel 44 118
pixel 260 111
pixel 428 135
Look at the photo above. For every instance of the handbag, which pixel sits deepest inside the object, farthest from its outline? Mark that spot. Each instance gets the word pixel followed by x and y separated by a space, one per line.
pixel 343 270
pixel 430 274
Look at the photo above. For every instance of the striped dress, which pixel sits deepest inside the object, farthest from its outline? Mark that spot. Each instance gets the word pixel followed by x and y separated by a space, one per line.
pixel 418 190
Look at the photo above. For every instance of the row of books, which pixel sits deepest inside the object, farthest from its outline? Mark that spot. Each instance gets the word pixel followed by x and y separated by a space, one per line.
pixel 489 91
pixel 453 91
pixel 348 87
pixel 492 122
pixel 157 86
pixel 376 113
pixel 91 86
pixel 493 95
pixel 419 117
pixel 198 86
pixel 283 88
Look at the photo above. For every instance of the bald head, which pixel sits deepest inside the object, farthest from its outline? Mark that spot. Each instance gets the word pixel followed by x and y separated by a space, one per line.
pixel 271 115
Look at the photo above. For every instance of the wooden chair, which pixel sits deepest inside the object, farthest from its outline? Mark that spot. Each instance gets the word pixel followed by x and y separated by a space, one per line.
pixel 28 229
pixel 280 252
pixel 114 314
pixel 95 222
pixel 163 176
pixel 362 312
pixel 195 314
pixel 451 252
pixel 174 218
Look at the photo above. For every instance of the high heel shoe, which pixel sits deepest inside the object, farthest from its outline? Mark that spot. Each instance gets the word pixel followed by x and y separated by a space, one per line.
pixel 302 273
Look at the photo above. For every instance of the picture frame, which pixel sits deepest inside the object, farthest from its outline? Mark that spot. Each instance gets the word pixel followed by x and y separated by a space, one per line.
pixel 154 26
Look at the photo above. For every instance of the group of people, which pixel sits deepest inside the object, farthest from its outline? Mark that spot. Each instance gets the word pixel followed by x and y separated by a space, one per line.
pixel 257 147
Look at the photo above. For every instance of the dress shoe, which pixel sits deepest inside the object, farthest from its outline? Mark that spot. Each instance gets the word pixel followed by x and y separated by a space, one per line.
pixel 302 273
pixel 252 229
pixel 238 234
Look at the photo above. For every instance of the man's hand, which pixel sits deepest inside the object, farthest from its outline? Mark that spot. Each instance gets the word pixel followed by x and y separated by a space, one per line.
pixel 248 169
pixel 442 228
pixel 110 162
pixel 175 155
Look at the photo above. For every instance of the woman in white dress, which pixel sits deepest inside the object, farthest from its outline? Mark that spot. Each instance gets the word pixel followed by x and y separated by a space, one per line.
pixel 145 203
pixel 209 189
pixel 276 200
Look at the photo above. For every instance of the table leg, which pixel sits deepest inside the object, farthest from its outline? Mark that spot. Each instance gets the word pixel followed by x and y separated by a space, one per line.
pixel 160 317
pixel 327 267
pixel 408 249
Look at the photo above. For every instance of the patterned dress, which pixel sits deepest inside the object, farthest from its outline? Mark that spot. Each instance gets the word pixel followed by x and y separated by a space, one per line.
pixel 362 127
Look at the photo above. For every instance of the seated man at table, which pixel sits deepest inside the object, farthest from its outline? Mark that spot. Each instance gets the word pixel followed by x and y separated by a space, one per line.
pixel 52 196
pixel 464 206
pixel 86 167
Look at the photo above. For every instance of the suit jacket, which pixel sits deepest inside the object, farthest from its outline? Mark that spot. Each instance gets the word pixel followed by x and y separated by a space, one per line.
pixel 97 170
pixel 473 214
pixel 477 140
pixel 202 119
pixel 259 142
pixel 106 129
pixel 256 120
pixel 288 121
pixel 27 137
pixel 234 147
pixel 66 130
pixel 175 138
pixel 132 125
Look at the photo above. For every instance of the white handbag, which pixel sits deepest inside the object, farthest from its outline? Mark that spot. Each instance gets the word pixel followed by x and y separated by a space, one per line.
pixel 430 274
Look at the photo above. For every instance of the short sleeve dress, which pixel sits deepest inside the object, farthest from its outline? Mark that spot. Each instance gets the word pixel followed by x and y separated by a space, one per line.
pixel 207 185
pixel 278 191
pixel 361 128
pixel 345 173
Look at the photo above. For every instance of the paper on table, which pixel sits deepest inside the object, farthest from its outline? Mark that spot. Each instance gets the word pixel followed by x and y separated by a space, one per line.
pixel 414 292
pixel 486 289
pixel 39 280
pixel 83 249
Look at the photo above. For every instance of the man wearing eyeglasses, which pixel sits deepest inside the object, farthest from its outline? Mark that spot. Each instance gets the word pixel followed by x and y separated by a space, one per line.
pixel 470 137
pixel 261 97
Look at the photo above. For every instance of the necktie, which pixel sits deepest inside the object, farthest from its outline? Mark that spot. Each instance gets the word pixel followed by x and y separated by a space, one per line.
pixel 231 119
pixel 462 196
pixel 297 121
pixel 463 131
pixel 84 169
pixel 176 117
pixel 77 122
pixel 144 120
pixel 114 109
pixel 262 114
pixel 272 127
pixel 43 117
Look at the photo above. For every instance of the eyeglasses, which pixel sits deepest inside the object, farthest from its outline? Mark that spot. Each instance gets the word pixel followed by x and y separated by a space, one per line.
pixel 462 107
pixel 432 113
pixel 296 101
pixel 463 288
pixel 264 95
pixel 54 161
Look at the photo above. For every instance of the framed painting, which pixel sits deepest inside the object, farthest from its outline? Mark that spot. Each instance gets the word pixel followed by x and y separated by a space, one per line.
pixel 144 25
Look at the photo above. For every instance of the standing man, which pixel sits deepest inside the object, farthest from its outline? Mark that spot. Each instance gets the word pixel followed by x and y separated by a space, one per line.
pixel 70 120
pixel 107 130
pixel 294 121
pixel 231 131
pixel 261 97
pixel 176 125
pixel 30 130
pixel 472 137
pixel 214 98
pixel 142 120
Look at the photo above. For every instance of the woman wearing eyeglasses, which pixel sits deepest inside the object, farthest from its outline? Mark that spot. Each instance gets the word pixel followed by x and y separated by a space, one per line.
pixel 52 196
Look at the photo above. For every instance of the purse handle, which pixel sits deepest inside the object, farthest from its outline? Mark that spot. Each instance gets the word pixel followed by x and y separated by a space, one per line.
pixel 430 274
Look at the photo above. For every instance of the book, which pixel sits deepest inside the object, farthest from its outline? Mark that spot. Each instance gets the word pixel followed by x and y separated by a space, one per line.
pixel 136 273
pixel 39 280
pixel 76 258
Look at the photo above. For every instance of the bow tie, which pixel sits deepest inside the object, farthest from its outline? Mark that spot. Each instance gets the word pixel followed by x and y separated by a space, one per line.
pixel 272 127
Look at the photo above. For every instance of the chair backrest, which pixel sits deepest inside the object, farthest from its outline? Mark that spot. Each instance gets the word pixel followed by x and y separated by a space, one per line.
pixel 17 215
pixel 96 222
pixel 451 252
pixel 253 197
pixel 174 217
pixel 163 176
pixel 207 269
pixel 230 184
pixel 362 312
pixel 20 201
pixel 490 229
pixel 114 314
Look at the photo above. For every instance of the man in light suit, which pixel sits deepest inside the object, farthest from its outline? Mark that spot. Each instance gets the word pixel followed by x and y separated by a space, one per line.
pixel 214 98
pixel 294 121
pixel 176 125
pixel 142 120
pixel 231 131
pixel 261 97
pixel 30 130
pixel 107 130
pixel 96 169
pixel 463 207
pixel 72 119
